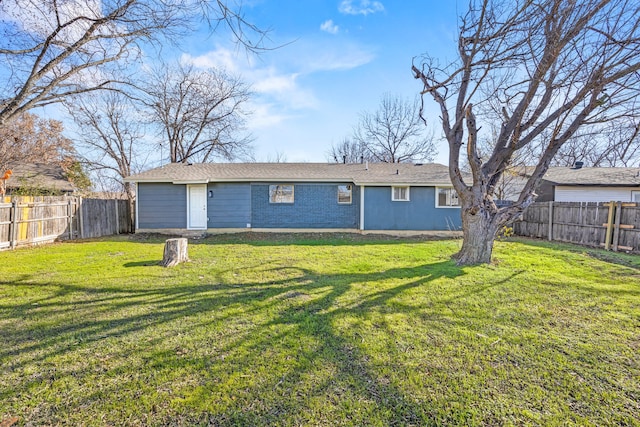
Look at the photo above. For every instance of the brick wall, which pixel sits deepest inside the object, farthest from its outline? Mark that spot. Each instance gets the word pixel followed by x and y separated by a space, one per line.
pixel 315 206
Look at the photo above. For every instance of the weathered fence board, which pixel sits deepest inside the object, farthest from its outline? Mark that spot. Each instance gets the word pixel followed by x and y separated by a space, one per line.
pixel 32 220
pixel 586 223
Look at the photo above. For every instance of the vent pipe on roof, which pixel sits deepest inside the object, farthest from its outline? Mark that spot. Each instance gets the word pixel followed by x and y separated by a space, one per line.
pixel 361 159
pixel 577 165
pixel 344 159
pixel 366 165
pixel 397 171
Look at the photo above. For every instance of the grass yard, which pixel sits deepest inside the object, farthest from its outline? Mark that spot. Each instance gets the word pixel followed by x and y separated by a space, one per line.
pixel 318 330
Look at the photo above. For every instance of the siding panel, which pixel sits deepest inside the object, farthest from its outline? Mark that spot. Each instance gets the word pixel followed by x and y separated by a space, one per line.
pixel 419 213
pixel 230 206
pixel 592 194
pixel 315 206
pixel 162 205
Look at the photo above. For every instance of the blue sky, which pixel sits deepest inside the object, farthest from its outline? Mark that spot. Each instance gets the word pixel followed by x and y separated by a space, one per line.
pixel 341 57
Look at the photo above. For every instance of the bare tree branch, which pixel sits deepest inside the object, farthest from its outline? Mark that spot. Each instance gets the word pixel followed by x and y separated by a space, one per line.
pixel 50 50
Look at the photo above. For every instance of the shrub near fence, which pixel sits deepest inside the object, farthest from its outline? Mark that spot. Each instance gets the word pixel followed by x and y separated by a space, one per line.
pixel 31 220
pixel 614 225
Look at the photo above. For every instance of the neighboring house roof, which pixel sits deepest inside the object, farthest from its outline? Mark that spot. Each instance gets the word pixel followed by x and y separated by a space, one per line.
pixel 39 175
pixel 358 173
pixel 609 177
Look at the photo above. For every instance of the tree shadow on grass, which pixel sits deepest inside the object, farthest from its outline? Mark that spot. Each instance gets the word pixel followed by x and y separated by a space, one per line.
pixel 303 305
pixel 619 258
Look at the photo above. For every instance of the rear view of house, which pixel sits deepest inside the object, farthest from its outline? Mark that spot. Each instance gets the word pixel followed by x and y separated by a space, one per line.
pixel 218 197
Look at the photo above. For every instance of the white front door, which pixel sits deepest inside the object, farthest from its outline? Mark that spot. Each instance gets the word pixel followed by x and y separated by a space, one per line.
pixel 197 206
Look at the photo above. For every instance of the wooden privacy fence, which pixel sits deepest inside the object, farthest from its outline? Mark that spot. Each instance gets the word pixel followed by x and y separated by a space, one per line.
pixel 32 220
pixel 614 225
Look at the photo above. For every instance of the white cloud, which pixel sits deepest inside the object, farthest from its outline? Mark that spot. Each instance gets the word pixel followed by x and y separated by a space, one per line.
pixel 278 94
pixel 361 7
pixel 346 57
pixel 329 27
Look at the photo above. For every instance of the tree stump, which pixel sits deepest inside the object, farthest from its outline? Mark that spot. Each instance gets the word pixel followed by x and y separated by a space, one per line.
pixel 175 252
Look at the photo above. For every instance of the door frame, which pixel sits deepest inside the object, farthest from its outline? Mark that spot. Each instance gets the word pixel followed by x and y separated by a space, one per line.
pixel 189 187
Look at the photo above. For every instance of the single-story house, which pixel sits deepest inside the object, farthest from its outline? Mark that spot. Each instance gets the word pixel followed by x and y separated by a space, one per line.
pixel 38 177
pixel 586 184
pixel 219 197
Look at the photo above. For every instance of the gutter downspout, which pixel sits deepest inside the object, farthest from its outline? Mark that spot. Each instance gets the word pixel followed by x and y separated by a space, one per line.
pixel 135 185
pixel 362 207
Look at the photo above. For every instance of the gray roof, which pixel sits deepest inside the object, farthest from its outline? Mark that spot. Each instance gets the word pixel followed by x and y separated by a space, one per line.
pixel 358 173
pixel 612 177
pixel 39 175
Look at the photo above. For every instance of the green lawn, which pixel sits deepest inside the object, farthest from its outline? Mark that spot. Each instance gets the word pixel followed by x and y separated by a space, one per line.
pixel 318 330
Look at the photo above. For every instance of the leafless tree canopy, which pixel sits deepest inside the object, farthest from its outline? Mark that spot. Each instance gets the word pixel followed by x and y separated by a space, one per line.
pixel 546 71
pixel 111 135
pixel 394 133
pixel 349 151
pixel 200 114
pixel 52 49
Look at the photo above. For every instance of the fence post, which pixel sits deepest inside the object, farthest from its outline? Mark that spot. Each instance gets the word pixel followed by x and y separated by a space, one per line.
pixel 551 220
pixel 607 239
pixel 70 215
pixel 616 230
pixel 80 219
pixel 14 224
pixel 117 216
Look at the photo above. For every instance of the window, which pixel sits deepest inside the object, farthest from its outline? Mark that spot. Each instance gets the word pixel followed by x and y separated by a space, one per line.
pixel 344 194
pixel 447 198
pixel 400 194
pixel 281 193
pixel 635 196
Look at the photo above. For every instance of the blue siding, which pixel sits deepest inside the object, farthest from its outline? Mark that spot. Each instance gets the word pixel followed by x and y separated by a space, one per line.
pixel 315 206
pixel 420 213
pixel 162 205
pixel 230 206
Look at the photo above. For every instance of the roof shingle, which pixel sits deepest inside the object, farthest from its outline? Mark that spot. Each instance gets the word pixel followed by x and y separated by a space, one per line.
pixel 358 173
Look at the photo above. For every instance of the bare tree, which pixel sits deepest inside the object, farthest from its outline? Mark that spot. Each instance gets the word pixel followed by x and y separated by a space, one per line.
pixel 349 151
pixel 394 133
pixel 199 112
pixel 614 144
pixel 50 50
pixel 111 132
pixel 545 70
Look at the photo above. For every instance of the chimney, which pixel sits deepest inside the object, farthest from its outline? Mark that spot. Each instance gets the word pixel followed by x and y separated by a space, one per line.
pixel 577 165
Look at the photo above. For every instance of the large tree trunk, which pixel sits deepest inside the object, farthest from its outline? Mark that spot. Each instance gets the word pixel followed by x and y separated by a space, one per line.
pixel 479 233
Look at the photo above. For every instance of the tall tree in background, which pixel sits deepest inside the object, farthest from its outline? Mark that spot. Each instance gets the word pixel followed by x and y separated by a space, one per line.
pixel 31 139
pixel 112 135
pixel 394 133
pixel 615 144
pixel 200 113
pixel 546 70
pixel 349 151
pixel 50 50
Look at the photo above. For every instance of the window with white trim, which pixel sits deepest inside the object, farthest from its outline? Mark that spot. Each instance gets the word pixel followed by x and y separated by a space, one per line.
pixel 635 196
pixel 447 198
pixel 400 194
pixel 281 193
pixel 344 194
